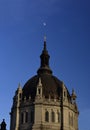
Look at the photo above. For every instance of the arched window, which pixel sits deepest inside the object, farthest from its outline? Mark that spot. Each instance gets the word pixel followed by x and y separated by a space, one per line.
pixel 32 116
pixel 47 116
pixel 39 91
pixel 58 116
pixel 22 118
pixel 52 116
pixel 26 117
pixel 20 95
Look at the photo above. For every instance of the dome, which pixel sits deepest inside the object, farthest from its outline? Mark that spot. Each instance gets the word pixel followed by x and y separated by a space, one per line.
pixel 51 85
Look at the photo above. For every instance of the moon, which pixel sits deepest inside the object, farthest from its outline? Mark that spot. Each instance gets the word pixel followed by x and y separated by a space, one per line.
pixel 44 24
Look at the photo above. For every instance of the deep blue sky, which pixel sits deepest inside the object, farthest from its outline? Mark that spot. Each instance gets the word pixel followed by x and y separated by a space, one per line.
pixel 68 43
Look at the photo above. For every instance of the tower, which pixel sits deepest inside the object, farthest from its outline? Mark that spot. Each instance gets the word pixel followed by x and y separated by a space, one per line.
pixel 44 102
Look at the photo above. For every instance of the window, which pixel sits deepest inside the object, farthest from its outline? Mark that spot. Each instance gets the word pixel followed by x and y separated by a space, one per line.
pixel 22 118
pixel 39 91
pixel 26 117
pixel 52 116
pixel 58 116
pixel 32 116
pixel 20 95
pixel 47 116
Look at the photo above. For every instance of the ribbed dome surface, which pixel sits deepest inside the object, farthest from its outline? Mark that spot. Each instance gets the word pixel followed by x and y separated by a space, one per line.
pixel 51 86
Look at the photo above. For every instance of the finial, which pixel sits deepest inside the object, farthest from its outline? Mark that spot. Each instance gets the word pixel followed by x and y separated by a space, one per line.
pixel 45 38
pixel 3 121
pixel 3 125
pixel 19 85
pixel 73 94
pixel 44 46
pixel 44 24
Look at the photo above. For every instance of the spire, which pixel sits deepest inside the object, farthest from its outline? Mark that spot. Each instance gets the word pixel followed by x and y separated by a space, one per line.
pixel 44 67
pixel 73 96
pixel 44 46
pixel 19 86
pixel 3 125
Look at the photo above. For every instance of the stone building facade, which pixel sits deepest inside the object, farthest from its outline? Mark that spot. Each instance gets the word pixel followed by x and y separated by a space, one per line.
pixel 44 103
